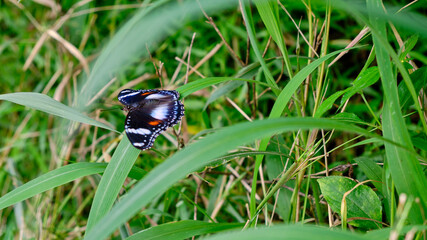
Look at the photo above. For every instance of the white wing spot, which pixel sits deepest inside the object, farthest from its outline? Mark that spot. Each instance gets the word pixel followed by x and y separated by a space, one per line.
pixel 129 94
pixel 141 131
pixel 160 112
pixel 157 96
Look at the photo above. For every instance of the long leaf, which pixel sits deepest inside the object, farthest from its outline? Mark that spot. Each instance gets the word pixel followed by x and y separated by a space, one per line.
pixel 251 34
pixel 291 232
pixel 50 180
pixel 405 169
pixel 182 230
pixel 268 11
pixel 59 177
pixel 386 233
pixel 199 154
pixel 47 104
pixel 112 180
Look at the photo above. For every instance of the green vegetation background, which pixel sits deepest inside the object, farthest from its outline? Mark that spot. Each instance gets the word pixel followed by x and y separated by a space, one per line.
pixel 285 135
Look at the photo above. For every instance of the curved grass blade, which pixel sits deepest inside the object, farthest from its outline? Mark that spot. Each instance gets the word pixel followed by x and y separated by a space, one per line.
pixel 251 34
pixel 385 233
pixel 112 180
pixel 59 177
pixel 50 180
pixel 182 230
pixel 247 72
pixel 269 13
pixel 291 232
pixel 192 87
pixel 199 154
pixel 47 104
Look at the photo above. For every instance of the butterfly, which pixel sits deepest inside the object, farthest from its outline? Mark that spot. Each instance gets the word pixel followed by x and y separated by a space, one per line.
pixel 150 112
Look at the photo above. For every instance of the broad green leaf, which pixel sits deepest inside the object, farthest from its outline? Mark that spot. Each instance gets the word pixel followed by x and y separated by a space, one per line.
pixel 47 104
pixel 112 180
pixel 199 154
pixel 291 232
pixel 50 180
pixel 182 230
pixel 361 202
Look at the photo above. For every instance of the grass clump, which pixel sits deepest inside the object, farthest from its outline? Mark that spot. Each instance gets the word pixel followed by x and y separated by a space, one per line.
pixel 300 118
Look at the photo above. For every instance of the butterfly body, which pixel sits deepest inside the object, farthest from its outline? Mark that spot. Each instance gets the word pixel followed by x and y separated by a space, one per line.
pixel 150 112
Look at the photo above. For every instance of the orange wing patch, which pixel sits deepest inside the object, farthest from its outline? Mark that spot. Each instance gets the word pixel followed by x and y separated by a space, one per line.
pixel 146 93
pixel 155 123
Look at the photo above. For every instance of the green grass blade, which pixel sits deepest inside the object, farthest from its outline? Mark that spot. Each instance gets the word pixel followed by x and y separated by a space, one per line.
pixel 199 154
pixel 268 11
pixel 57 178
pixel 182 230
pixel 47 104
pixel 296 81
pixel 50 180
pixel 386 233
pixel 365 79
pixel 290 232
pixel 251 33
pixel 372 170
pixel 405 169
pixel 329 102
pixel 192 87
pixel 112 180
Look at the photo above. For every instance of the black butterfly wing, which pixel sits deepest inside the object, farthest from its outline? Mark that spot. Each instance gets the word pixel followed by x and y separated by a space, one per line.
pixel 142 129
pixel 151 116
